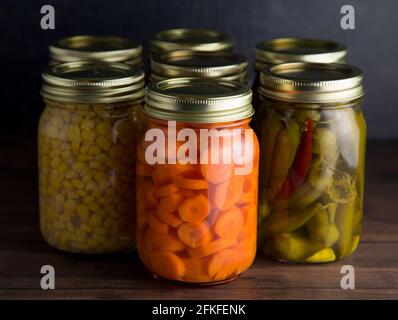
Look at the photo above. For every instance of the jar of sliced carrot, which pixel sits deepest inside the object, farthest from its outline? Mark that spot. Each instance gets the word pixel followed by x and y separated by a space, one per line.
pixel 86 147
pixel 312 162
pixel 197 168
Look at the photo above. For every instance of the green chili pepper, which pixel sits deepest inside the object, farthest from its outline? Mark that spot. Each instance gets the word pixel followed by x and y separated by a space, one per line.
pixel 324 255
pixel 287 220
pixel 321 230
pixel 293 247
pixel 344 221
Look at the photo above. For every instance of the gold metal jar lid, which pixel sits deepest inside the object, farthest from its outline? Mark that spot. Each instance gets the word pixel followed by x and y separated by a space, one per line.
pixel 311 82
pixel 97 48
pixel 191 39
pixel 283 50
pixel 93 82
pixel 188 63
pixel 198 100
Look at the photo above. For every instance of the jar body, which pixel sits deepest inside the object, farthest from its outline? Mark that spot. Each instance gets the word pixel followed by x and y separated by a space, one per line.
pixel 87 176
pixel 311 180
pixel 196 221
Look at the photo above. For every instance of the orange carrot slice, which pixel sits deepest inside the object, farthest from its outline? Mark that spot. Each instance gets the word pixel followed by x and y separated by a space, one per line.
pixel 227 193
pixel 246 250
pixel 187 193
pixel 168 217
pixel 247 198
pixel 196 270
pixel 165 190
pixel 210 248
pixel 191 184
pixel 249 229
pixel 194 235
pixel 167 265
pixel 149 192
pixel 171 202
pixel 163 174
pixel 229 223
pixel 157 225
pixel 194 209
pixel 168 242
pixel 223 264
pixel 215 172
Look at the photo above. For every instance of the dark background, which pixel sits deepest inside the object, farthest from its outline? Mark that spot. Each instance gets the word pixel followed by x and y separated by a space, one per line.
pixel 373 45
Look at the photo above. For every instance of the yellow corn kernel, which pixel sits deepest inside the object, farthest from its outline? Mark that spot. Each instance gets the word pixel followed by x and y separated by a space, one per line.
pixel 95 220
pixel 103 184
pixel 81 193
pixel 94 207
pixel 83 149
pixel 99 238
pixel 75 146
pixel 88 199
pixel 54 153
pixel 83 157
pixel 70 205
pixel 77 183
pixel 59 225
pixel 64 217
pixel 104 143
pixel 86 228
pixel 90 186
pixel 96 193
pixel 87 124
pixel 95 165
pixel 55 162
pixel 102 157
pixel 74 134
pixel 83 212
pixel 104 128
pixel 55 182
pixel 94 150
pixel 62 168
pixel 70 227
pixel 92 243
pixel 64 239
pixel 72 195
pixel 65 146
pixel 67 185
pixel 66 155
pixel 99 176
pixel 88 135
pixel 70 174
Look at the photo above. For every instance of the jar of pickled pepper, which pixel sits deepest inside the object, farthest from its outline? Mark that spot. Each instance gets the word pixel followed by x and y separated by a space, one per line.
pixel 197 163
pixel 283 50
pixel 87 141
pixel 96 48
pixel 312 161
pixel 200 64
pixel 190 39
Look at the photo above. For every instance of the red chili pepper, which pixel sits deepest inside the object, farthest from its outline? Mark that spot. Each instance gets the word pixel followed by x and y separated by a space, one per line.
pixel 301 164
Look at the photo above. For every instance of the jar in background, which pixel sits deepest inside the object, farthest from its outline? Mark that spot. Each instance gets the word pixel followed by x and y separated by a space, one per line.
pixel 200 64
pixel 312 161
pixel 196 209
pixel 96 48
pixel 283 50
pixel 87 142
pixel 190 39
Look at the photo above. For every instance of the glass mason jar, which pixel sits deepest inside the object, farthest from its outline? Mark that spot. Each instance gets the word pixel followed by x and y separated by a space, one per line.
pixel 190 39
pixel 96 48
pixel 87 143
pixel 199 64
pixel 283 50
pixel 312 161
pixel 196 209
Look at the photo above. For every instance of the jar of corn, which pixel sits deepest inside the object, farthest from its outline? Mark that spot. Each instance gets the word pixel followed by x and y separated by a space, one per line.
pixel 86 149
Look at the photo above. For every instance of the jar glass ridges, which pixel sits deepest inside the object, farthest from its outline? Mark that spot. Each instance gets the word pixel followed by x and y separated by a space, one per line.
pixel 96 48
pixel 200 64
pixel 87 143
pixel 190 39
pixel 312 162
pixel 284 50
pixel 196 219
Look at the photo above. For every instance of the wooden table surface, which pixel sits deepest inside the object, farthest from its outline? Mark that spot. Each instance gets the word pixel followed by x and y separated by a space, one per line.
pixel 23 252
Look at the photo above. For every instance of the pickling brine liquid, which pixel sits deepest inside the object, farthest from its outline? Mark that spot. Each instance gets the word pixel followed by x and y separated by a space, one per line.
pixel 87 176
pixel 311 180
